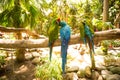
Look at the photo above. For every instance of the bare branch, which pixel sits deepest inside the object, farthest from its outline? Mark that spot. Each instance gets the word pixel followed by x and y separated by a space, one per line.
pixel 42 43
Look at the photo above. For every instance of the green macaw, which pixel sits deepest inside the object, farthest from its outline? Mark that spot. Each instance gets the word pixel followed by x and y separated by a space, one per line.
pixel 53 35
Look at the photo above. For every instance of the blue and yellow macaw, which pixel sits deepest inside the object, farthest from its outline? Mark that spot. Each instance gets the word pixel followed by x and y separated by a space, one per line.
pixel 65 33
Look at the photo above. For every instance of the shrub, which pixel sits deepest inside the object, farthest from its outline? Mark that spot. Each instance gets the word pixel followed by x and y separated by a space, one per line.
pixel 49 70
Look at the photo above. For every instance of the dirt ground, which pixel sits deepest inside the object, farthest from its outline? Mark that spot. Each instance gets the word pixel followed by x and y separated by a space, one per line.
pixel 18 71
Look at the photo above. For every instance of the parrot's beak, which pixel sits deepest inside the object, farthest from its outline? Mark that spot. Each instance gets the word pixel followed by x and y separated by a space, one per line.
pixel 83 23
pixel 58 21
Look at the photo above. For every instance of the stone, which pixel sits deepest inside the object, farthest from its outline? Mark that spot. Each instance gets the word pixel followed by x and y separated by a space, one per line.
pixel 100 68
pixel 35 54
pixel 36 61
pixel 118 52
pixel 105 73
pixel 99 51
pixel 113 77
pixel 3 77
pixel 112 52
pixel 28 56
pixel 99 61
pixel 81 73
pixel 115 70
pixel 84 79
pixel 71 76
pixel 72 69
pixel 100 77
pixel 88 71
pixel 95 75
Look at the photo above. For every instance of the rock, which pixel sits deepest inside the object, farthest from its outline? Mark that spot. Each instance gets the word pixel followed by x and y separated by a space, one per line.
pixel 87 71
pixel 115 70
pixel 99 61
pixel 23 76
pixel 73 53
pixel 118 52
pixel 105 73
pixel 35 54
pixel 112 52
pixel 113 77
pixel 100 68
pixel 99 51
pixel 72 69
pixel 3 77
pixel 71 76
pixel 36 61
pixel 28 56
pixel 100 77
pixel 83 79
pixel 4 54
pixel 81 73
pixel 95 75
pixel 109 67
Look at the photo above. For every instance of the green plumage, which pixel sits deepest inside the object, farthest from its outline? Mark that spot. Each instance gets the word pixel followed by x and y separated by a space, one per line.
pixel 53 35
pixel 86 33
pixel 89 23
pixel 53 31
pixel 82 34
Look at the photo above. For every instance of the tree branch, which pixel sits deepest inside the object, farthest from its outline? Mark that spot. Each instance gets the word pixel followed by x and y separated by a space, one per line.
pixel 42 43
pixel 15 30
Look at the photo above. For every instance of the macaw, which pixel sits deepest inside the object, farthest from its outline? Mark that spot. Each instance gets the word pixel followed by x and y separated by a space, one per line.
pixel 88 37
pixel 53 36
pixel 65 33
pixel 86 33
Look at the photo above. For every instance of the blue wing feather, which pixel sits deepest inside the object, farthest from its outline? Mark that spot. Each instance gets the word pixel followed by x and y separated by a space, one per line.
pixel 65 33
pixel 90 36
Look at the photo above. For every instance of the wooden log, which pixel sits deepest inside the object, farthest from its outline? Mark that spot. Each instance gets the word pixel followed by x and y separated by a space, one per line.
pixel 15 30
pixel 107 35
pixel 42 43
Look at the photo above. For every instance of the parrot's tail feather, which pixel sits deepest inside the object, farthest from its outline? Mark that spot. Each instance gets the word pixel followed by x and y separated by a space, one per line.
pixel 64 57
pixel 93 47
pixel 50 54
pixel 85 41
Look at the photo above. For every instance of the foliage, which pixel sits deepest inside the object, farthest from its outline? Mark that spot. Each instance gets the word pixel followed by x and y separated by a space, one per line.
pixel 111 60
pixel 48 71
pixel 38 14
pixel 100 25
pixel 97 8
pixel 113 9
pixel 116 43
pixel 2 60
pixel 19 13
pixel 107 43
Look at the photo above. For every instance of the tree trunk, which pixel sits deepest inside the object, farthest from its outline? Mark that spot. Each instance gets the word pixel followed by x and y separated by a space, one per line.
pixel 105 10
pixel 20 57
